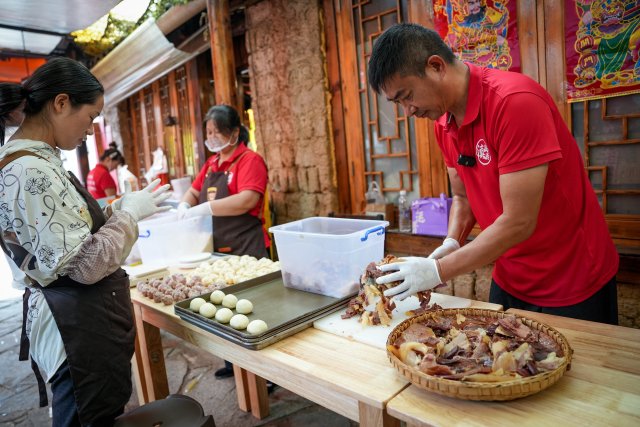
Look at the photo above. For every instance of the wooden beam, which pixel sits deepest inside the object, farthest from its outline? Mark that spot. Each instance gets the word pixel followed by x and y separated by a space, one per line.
pixel 554 53
pixel 173 102
pixel 195 114
pixel 145 132
pixel 528 38
pixel 351 99
pixel 157 115
pixel 127 129
pixel 337 117
pixel 224 68
pixel 134 166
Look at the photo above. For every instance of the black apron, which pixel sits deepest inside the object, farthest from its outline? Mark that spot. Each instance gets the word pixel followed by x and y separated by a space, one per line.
pixel 237 235
pixel 97 328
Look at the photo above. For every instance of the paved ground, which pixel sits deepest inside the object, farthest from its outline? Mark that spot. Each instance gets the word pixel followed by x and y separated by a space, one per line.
pixel 190 372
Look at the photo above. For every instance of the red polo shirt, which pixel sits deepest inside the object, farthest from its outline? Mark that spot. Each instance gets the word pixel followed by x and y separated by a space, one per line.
pixel 511 124
pixel 98 180
pixel 249 173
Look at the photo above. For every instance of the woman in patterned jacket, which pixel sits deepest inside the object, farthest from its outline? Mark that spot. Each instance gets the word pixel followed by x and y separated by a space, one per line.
pixel 78 324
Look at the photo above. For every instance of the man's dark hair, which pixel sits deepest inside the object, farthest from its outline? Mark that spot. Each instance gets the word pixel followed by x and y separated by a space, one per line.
pixel 404 49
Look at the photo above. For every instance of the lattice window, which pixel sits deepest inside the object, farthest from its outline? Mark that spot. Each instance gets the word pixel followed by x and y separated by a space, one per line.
pixel 608 132
pixel 388 134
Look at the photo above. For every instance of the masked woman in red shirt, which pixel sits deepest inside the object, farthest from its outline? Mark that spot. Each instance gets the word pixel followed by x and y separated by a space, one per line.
pixel 230 187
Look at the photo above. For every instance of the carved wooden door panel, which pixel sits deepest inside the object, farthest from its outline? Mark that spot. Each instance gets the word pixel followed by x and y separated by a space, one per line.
pixel 381 143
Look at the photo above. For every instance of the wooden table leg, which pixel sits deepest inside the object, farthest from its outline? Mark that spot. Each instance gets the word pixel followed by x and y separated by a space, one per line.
pixel 258 395
pixel 252 392
pixel 138 375
pixel 242 390
pixel 151 358
pixel 375 417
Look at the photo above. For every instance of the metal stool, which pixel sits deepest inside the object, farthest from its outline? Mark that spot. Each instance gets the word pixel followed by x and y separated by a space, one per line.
pixel 174 411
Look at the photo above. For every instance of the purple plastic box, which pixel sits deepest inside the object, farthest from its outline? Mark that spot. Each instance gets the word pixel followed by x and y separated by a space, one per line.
pixel 430 215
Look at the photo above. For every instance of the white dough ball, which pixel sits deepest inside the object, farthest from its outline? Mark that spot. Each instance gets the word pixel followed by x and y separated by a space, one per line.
pixel 239 321
pixel 229 301
pixel 196 303
pixel 216 296
pixel 244 306
pixel 224 315
pixel 256 327
pixel 208 310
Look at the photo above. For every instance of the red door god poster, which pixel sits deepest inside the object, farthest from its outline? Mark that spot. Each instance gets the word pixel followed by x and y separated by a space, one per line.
pixel 483 32
pixel 602 48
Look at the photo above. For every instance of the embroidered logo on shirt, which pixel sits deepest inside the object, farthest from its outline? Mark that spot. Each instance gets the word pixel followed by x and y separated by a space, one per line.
pixel 482 152
pixel 229 178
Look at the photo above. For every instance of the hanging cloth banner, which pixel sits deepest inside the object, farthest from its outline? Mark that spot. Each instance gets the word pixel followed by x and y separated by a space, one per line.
pixel 602 48
pixel 483 32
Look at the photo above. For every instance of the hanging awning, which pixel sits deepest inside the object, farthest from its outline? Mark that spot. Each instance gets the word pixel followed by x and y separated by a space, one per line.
pixel 142 57
pixel 146 55
pixel 56 16
pixel 30 30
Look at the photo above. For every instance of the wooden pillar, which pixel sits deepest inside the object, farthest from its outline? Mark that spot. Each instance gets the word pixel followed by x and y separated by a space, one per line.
pixel 224 68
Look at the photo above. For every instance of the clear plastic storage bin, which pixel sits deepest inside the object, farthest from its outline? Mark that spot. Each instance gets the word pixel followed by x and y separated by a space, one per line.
pixel 163 239
pixel 328 255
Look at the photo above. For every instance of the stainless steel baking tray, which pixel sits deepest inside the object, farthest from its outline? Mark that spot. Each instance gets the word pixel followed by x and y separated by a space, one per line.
pixel 286 311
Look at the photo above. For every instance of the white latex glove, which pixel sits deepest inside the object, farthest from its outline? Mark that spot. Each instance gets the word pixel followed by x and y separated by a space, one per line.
pixel 183 207
pixel 143 203
pixel 448 245
pixel 417 274
pixel 203 209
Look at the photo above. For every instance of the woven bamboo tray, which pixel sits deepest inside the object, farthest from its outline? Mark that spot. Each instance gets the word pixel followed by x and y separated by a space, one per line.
pixel 467 390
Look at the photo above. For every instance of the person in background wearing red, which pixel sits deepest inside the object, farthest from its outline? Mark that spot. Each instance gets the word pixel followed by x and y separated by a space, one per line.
pixel 515 169
pixel 100 183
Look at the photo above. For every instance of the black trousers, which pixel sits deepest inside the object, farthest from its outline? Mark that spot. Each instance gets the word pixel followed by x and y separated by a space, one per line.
pixel 601 307
pixel 64 408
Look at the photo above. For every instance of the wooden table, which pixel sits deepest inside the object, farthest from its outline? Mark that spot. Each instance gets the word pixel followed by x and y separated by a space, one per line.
pixel 601 388
pixel 347 377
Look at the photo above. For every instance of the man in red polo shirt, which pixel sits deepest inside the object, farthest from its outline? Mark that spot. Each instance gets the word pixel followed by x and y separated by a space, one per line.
pixel 515 169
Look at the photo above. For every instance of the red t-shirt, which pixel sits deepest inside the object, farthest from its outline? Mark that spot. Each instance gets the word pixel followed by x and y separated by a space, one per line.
pixel 511 124
pixel 98 180
pixel 249 173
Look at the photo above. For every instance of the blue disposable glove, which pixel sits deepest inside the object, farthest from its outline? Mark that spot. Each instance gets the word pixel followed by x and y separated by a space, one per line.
pixel 416 273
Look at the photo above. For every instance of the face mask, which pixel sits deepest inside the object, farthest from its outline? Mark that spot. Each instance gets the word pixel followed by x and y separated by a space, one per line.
pixel 215 145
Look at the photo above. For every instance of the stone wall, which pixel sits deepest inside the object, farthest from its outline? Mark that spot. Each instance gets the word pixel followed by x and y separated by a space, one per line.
pixel 284 41
pixel 476 286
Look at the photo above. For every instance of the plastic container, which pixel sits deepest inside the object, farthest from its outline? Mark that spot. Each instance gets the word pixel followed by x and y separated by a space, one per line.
pixel 180 186
pixel 163 239
pixel 328 255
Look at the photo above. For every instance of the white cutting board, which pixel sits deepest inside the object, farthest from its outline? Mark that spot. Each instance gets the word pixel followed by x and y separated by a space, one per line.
pixel 376 336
